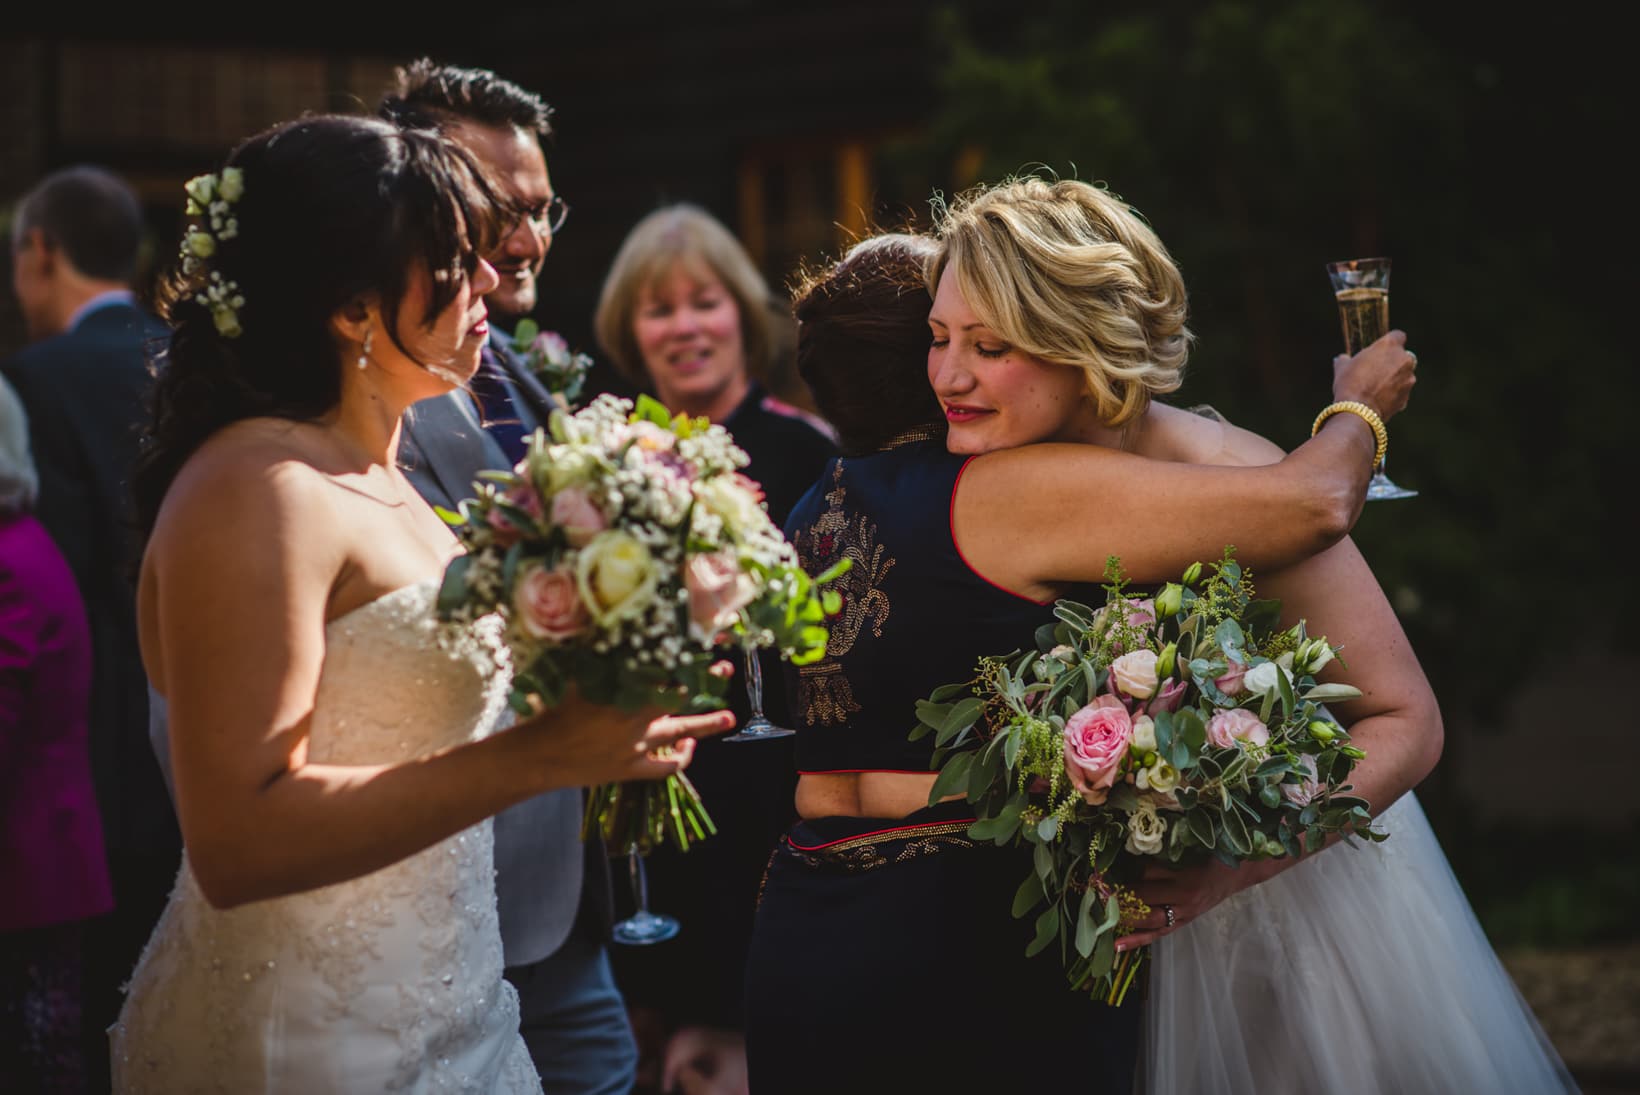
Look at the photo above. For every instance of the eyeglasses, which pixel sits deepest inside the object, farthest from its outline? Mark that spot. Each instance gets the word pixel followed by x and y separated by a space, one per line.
pixel 548 217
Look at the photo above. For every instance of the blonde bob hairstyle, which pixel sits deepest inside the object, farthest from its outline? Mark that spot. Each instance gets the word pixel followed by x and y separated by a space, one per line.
pixel 1066 272
pixel 688 235
pixel 18 482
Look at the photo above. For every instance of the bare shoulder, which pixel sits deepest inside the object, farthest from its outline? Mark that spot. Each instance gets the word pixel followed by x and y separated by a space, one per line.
pixel 1201 435
pixel 254 484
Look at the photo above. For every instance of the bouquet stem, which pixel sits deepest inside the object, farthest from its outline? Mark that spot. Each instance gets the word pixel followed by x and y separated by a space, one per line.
pixel 1121 977
pixel 639 816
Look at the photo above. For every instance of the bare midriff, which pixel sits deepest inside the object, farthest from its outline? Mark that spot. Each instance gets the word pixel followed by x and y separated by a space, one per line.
pixel 863 794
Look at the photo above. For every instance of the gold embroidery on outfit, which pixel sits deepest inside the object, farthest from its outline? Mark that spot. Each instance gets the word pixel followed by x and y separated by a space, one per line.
pixel 866 853
pixel 824 694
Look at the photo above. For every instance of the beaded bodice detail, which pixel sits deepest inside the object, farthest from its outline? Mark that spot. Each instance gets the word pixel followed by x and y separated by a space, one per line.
pixel 391 981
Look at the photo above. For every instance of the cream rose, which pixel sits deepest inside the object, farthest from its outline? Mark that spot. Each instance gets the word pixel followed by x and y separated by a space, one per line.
pixel 738 507
pixel 1135 673
pixel 616 576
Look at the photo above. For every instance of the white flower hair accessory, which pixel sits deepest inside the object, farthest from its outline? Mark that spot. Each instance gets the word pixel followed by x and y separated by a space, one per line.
pixel 211 198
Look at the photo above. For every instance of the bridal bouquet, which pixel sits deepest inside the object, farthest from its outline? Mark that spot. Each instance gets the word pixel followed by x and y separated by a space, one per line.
pixel 621 551
pixel 1177 728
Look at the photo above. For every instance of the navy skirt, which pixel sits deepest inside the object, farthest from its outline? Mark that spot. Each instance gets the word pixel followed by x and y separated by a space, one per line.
pixel 885 958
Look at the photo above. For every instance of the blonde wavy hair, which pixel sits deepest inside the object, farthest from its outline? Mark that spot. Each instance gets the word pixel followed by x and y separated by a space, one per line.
pixel 1066 272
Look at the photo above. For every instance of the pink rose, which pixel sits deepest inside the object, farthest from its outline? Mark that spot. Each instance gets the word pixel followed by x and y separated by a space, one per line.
pixel 576 514
pixel 1096 740
pixel 1168 698
pixel 1135 674
pixel 1231 683
pixel 718 590
pixel 1225 728
pixel 547 603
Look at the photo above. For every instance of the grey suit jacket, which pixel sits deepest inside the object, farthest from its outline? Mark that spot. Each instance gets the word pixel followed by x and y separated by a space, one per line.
pixel 539 857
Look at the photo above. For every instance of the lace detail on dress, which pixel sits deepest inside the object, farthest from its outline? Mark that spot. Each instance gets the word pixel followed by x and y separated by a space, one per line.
pixel 389 982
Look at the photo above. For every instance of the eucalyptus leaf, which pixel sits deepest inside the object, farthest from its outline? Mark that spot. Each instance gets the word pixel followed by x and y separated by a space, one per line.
pixel 952 777
pixel 1028 896
pixel 1048 828
pixel 1201 825
pixel 1235 831
pixel 1087 929
pixel 1124 797
pixel 1228 635
pixel 1047 930
pixel 453 589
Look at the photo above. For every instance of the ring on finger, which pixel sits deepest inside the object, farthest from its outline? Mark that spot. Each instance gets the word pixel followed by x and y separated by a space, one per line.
pixel 1167 912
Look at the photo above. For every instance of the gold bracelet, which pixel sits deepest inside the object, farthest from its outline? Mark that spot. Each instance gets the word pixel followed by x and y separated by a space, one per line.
pixel 1367 415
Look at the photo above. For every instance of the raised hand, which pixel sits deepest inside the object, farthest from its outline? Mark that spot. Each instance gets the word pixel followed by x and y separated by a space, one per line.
pixel 1381 376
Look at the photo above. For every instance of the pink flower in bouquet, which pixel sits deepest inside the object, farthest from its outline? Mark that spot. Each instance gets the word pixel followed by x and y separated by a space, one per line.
pixel 1096 740
pixel 575 513
pixel 1168 698
pixel 1300 793
pixel 652 438
pixel 748 484
pixel 547 603
pixel 1135 674
pixel 1231 684
pixel 550 345
pixel 1226 728
pixel 1141 613
pixel 507 532
pixel 718 590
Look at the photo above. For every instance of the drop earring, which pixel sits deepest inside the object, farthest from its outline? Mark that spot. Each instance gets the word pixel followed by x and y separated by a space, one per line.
pixel 364 352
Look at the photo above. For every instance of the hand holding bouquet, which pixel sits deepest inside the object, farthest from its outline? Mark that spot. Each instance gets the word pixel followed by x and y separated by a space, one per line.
pixel 621 551
pixel 1178 728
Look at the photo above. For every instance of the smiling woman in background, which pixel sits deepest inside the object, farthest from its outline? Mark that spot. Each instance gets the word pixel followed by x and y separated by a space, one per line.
pixel 685 314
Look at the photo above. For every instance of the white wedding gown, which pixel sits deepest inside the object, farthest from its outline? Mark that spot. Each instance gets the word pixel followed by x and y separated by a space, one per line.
pixel 1360 971
pixel 389 982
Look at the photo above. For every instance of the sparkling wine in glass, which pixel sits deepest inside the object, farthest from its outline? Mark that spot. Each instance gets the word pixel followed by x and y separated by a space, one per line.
pixel 757 726
pixel 642 927
pixel 1361 287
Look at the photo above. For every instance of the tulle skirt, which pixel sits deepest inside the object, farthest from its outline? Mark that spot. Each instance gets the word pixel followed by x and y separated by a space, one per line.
pixel 1362 970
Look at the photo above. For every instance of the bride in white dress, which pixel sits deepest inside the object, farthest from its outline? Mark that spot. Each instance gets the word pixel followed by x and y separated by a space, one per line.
pixel 337 753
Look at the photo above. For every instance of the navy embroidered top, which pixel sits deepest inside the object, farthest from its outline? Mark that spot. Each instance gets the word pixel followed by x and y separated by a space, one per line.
pixel 915 615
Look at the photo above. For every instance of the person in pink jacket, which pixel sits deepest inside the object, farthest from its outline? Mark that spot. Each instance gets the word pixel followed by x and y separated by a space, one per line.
pixel 53 871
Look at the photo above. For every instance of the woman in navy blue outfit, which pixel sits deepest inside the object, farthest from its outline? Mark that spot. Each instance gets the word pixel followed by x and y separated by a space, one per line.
pixel 884 957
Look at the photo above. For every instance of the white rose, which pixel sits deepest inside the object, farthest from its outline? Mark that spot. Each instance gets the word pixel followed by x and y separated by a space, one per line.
pixel 200 244
pixel 1135 673
pixel 733 503
pixel 560 466
pixel 616 576
pixel 1145 830
pixel 1144 734
pixel 1261 679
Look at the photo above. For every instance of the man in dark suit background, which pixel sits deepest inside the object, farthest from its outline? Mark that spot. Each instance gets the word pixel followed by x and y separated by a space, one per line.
pixel 553 889
pixel 83 379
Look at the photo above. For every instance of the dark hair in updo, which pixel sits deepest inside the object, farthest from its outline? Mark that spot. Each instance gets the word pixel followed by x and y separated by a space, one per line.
pixel 335 208
pixel 862 342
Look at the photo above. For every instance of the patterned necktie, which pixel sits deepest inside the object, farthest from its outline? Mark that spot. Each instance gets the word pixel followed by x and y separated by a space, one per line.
pixel 489 386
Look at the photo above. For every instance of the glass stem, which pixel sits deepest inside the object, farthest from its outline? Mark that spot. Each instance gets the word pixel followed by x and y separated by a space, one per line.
pixel 640 883
pixel 754 682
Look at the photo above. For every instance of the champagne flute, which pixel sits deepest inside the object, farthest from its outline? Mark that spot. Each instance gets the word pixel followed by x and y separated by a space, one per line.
pixel 1361 287
pixel 757 726
pixel 643 927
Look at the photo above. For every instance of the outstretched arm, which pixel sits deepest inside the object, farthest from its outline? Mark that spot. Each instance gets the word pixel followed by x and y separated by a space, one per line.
pixel 1042 516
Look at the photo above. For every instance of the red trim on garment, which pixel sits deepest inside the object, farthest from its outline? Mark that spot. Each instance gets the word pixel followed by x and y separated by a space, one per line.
pixel 864 771
pixel 879 832
pixel 951 528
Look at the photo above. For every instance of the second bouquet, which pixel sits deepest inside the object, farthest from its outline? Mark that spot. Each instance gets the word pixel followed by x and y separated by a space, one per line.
pixel 622 551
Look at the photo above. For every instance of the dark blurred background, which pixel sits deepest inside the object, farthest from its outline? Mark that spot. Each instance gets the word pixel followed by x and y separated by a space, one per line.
pixel 1262 139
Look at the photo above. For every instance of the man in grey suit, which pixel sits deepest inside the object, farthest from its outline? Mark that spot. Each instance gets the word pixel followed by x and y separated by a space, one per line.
pixel 552 888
